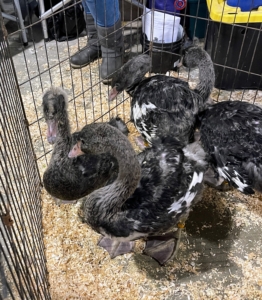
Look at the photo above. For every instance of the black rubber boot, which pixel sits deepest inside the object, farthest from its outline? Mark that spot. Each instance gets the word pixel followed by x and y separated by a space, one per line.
pixel 112 46
pixel 91 51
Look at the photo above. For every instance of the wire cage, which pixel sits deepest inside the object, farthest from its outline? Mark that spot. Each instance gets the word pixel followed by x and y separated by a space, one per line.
pixel 22 260
pixel 33 229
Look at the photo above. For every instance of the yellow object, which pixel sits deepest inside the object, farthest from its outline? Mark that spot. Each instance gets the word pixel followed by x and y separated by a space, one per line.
pixel 146 144
pixel 181 225
pixel 221 12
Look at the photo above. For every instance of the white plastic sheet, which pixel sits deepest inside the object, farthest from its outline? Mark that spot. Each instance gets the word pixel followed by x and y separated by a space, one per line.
pixel 160 27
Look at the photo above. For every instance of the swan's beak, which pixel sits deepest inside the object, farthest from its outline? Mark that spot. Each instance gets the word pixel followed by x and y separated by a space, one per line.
pixel 51 131
pixel 76 151
pixel 112 94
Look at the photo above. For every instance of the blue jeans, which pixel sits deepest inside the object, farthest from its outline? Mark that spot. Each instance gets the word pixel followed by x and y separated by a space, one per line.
pixel 105 12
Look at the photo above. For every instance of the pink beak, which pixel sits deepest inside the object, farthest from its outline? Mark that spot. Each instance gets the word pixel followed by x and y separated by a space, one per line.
pixel 112 94
pixel 76 151
pixel 51 131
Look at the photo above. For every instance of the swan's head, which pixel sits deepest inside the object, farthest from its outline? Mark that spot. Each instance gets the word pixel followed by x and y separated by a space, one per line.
pixel 94 138
pixel 76 150
pixel 54 106
pixel 130 75
pixel 193 56
pixel 100 138
pixel 91 139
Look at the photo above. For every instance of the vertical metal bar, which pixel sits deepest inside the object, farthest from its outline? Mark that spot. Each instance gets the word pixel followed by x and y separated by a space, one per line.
pixel 21 239
pixel 43 20
pixel 21 21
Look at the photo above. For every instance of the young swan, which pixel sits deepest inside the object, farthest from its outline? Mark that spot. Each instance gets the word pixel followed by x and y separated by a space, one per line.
pixel 164 105
pixel 71 179
pixel 152 193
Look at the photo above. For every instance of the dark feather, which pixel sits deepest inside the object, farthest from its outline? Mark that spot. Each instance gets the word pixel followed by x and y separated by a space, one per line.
pixel 231 133
pixel 163 105
pixel 153 203
pixel 72 179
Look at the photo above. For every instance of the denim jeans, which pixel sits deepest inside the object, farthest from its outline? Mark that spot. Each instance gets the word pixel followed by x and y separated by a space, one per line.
pixel 105 12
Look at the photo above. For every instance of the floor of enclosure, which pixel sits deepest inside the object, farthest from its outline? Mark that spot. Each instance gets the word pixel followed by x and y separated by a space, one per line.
pixel 221 254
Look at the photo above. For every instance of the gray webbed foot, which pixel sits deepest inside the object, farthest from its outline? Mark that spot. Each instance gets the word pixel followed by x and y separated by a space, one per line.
pixel 115 248
pixel 160 249
pixel 58 202
pixel 165 247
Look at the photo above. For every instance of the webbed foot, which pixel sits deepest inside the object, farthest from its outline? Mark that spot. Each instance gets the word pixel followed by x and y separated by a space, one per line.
pixel 58 202
pixel 114 247
pixel 165 247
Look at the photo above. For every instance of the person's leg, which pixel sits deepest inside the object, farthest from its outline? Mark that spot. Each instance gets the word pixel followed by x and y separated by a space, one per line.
pixel 105 12
pixel 109 33
pixel 112 47
pixel 86 8
pixel 107 17
pixel 92 50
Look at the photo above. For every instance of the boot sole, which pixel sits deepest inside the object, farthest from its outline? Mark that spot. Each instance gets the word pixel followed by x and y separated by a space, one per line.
pixel 84 65
pixel 79 66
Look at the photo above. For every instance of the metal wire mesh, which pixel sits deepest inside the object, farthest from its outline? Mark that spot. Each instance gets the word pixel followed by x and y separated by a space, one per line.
pixel 23 273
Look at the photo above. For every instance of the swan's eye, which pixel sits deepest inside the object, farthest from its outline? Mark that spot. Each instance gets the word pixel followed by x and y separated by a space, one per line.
pixel 82 141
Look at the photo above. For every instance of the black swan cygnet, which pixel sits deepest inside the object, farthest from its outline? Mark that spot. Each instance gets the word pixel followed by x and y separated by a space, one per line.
pixel 153 192
pixel 164 105
pixel 71 179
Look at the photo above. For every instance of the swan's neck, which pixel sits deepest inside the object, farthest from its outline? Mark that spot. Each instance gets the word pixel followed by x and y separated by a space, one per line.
pixel 105 202
pixel 206 79
pixel 130 90
pixel 63 139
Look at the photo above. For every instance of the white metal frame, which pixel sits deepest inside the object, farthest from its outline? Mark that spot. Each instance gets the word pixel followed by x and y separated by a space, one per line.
pixel 19 19
pixel 45 14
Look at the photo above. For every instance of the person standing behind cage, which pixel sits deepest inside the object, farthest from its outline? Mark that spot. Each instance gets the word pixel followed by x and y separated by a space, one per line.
pixel 105 37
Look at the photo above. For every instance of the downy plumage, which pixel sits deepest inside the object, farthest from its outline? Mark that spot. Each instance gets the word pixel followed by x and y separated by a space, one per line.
pixel 231 134
pixel 152 193
pixel 71 179
pixel 163 105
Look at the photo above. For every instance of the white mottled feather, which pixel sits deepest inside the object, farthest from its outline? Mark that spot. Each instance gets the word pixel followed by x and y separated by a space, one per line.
pixel 139 112
pixel 189 196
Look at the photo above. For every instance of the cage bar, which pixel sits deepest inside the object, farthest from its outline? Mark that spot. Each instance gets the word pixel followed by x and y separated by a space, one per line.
pixel 22 256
